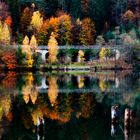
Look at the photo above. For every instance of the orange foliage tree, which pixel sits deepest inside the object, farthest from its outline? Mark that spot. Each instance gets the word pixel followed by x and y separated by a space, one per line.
pixel 10 60
pixel 87 32
pixel 129 16
pixel 8 21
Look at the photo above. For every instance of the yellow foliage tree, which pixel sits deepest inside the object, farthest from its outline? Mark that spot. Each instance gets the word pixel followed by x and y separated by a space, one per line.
pixel 27 50
pixel 103 53
pixel 37 20
pixel 81 56
pixel 53 48
pixel 33 43
pixel 26 40
pixel 102 85
pixel 5 35
pixel 53 90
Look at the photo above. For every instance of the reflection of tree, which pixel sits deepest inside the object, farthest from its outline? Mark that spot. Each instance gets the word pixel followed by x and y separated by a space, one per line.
pixel 102 85
pixel 5 105
pixel 37 113
pixel 10 80
pixel 80 82
pixel 53 90
pixel 87 105
pixel 29 91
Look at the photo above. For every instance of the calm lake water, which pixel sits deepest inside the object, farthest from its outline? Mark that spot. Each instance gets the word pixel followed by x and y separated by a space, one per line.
pixel 69 106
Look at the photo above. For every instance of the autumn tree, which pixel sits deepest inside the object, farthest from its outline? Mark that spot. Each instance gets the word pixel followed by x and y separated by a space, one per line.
pixel 65 29
pixel 8 21
pixel 36 21
pixel 10 60
pixel 87 32
pixel 129 16
pixel 103 53
pixel 129 19
pixel 25 19
pixel 27 50
pixel 52 48
pixel 81 56
pixel 5 34
pixel 33 43
pixel 53 26
pixel 43 33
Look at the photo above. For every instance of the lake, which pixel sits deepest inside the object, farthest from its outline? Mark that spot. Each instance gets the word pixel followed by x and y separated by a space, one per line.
pixel 74 105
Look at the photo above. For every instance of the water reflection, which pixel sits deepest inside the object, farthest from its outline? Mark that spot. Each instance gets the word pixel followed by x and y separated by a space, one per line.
pixel 69 105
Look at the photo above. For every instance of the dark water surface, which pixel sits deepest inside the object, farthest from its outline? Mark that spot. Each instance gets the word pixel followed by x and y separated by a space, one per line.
pixel 69 106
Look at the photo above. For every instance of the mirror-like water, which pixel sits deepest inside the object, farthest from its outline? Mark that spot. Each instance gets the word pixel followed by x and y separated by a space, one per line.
pixel 71 105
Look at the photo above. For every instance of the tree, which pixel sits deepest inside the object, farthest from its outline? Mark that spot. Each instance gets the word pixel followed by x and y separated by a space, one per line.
pixel 36 21
pixel 26 40
pixel 65 29
pixel 81 56
pixel 53 26
pixel 52 48
pixel 10 60
pixel 25 19
pixel 87 32
pixel 33 43
pixel 100 40
pixel 5 35
pixel 27 50
pixel 85 7
pixel 43 33
pixel 129 16
pixel 8 21
pixel 20 55
pixel 103 53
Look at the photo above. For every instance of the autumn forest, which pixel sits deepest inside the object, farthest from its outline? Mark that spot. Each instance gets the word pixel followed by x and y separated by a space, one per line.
pixel 69 69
